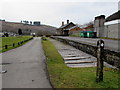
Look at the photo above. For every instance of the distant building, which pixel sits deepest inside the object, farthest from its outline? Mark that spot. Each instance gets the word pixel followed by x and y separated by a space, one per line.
pixel 89 28
pixel 114 16
pixel 75 30
pixel 2 20
pixel 64 29
pixel 37 23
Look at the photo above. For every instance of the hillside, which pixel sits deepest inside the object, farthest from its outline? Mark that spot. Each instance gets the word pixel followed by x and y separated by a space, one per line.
pixel 39 30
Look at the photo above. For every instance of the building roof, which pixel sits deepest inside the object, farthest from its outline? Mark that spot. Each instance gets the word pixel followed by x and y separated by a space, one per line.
pixel 114 16
pixel 66 25
pixel 90 26
pixel 73 28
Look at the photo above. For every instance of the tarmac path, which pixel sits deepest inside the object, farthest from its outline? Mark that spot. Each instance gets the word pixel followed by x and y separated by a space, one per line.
pixel 109 44
pixel 26 67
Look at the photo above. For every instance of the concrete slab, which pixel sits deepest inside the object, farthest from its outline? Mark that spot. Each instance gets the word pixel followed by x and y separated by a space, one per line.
pixel 74 57
pixel 82 65
pixel 80 61
pixel 70 55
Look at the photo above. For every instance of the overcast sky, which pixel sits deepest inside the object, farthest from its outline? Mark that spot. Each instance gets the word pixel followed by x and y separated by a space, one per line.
pixel 53 12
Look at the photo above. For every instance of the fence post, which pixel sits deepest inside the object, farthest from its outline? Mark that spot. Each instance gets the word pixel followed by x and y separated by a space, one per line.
pixel 13 44
pixel 100 55
pixel 6 46
pixel 18 43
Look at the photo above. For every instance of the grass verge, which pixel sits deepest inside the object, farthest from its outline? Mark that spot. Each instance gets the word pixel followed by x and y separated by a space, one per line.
pixel 110 38
pixel 62 76
pixel 10 40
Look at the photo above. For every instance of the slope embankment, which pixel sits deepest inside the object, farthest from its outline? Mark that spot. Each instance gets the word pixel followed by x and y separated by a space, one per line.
pixel 39 30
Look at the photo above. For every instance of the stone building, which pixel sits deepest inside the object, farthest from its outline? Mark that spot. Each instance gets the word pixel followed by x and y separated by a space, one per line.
pixel 108 27
pixel 75 30
pixel 89 28
pixel 64 29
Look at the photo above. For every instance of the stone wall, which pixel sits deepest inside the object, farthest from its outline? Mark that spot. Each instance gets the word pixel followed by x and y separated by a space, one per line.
pixel 110 57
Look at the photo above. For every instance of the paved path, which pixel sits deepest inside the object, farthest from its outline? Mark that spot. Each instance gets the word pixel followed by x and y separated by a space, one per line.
pixel 25 67
pixel 109 44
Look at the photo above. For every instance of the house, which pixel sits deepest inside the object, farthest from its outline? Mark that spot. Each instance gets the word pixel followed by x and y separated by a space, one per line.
pixel 89 28
pixel 108 27
pixel 64 29
pixel 75 30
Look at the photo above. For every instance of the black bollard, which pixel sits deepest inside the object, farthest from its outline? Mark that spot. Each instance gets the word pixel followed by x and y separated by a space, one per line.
pixel 100 55
pixel 18 43
pixel 13 44
pixel 6 46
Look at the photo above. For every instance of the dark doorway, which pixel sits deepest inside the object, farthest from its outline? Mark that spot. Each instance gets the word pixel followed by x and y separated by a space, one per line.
pixel 66 33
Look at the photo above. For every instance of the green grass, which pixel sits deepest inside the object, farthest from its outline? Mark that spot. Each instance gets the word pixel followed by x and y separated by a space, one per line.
pixel 10 40
pixel 62 76
pixel 110 38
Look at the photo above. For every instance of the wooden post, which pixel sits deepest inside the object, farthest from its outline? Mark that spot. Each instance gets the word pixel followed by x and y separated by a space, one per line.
pixel 100 52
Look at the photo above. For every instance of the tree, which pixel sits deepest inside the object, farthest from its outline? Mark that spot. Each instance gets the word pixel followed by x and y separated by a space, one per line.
pixel 6 34
pixel 19 31
pixel 31 22
pixel 27 22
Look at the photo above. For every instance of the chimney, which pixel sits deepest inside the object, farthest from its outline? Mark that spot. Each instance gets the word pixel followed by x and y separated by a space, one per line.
pixel 100 17
pixel 67 21
pixel 62 23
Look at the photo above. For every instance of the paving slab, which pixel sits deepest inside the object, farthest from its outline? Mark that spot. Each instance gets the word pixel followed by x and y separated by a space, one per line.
pixel 82 65
pixel 77 58
pixel 79 61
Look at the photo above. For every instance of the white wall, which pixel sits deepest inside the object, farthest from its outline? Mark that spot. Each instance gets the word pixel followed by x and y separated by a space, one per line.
pixel 111 31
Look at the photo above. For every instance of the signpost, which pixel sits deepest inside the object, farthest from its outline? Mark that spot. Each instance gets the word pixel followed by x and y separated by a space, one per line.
pixel 99 72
